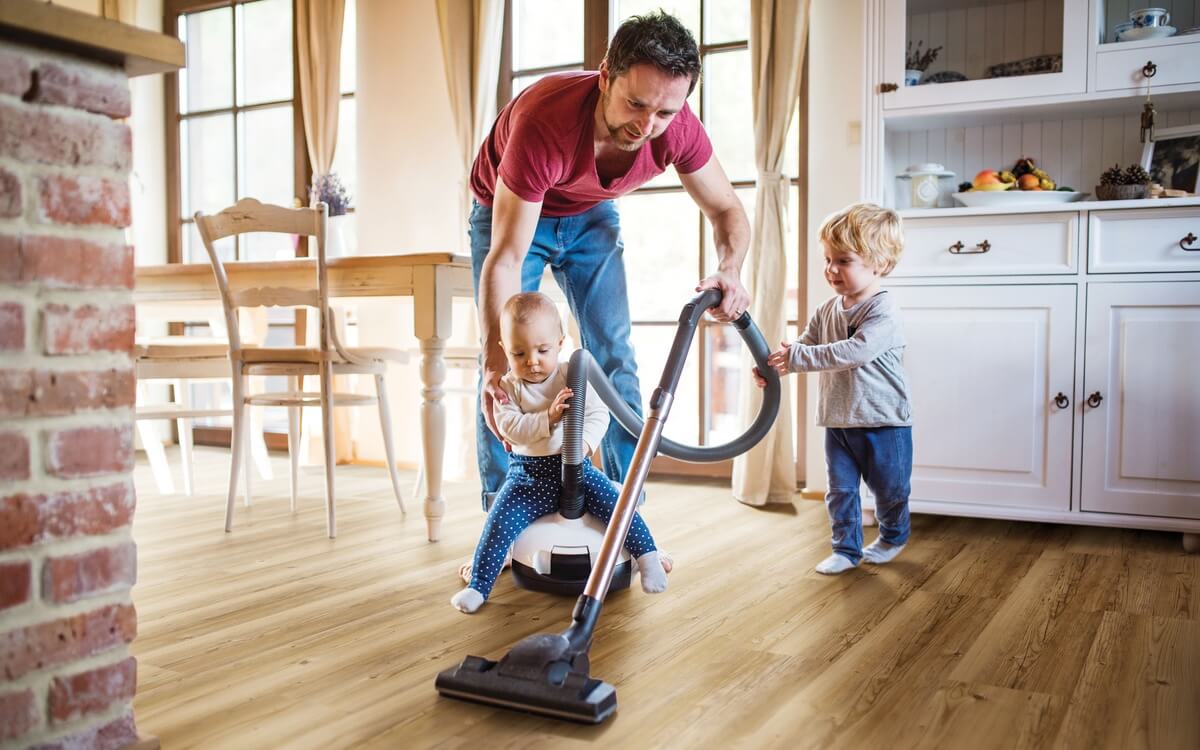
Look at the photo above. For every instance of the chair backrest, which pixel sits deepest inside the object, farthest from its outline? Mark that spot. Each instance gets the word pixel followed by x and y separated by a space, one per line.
pixel 249 215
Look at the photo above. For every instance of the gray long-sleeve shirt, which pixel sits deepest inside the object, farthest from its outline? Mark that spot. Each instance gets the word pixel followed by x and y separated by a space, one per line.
pixel 859 353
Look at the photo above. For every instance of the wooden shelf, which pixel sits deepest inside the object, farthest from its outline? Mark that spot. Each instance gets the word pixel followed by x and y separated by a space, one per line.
pixel 138 51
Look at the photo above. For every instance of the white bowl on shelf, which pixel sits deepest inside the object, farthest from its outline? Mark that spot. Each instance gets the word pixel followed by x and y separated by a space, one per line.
pixel 985 198
pixel 1146 32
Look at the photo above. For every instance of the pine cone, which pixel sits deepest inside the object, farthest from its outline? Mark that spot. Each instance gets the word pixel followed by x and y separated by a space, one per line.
pixel 1135 175
pixel 1112 176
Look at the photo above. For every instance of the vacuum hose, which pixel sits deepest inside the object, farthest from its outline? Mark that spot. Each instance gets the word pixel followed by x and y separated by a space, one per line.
pixel 583 369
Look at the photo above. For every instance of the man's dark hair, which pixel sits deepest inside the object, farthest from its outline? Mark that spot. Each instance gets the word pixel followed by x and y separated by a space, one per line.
pixel 656 38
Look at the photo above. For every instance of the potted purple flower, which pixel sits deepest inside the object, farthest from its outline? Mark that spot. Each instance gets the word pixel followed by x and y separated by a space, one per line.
pixel 329 189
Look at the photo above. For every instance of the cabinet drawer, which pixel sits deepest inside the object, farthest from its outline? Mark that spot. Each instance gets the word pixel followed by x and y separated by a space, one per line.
pixel 990 245
pixel 1146 240
pixel 1122 69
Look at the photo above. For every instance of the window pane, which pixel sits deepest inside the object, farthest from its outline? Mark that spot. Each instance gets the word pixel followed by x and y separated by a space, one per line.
pixel 267 246
pixel 266 156
pixel 687 11
pixel 193 246
pixel 791 147
pixel 725 377
pixel 726 21
pixel 345 159
pixel 651 346
pixel 265 51
pixel 661 241
pixel 207 163
pixel 791 247
pixel 207 81
pixel 728 112
pixel 547 32
pixel 349 63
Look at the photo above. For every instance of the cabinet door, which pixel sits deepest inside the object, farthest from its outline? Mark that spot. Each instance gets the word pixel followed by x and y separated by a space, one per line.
pixel 984 365
pixel 1141 434
pixel 990 50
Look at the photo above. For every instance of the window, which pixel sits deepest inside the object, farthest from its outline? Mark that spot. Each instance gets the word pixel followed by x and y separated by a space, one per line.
pixel 661 226
pixel 235 130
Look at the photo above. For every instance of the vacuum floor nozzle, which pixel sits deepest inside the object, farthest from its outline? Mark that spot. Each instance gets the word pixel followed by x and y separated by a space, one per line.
pixel 531 678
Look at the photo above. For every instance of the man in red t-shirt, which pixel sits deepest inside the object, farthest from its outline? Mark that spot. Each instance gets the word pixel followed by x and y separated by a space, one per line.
pixel 544 183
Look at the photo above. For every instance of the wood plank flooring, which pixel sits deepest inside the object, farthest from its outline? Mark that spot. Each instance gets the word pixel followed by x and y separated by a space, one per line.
pixel 983 634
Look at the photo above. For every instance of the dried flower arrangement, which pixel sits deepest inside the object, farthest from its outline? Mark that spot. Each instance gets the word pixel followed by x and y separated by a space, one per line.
pixel 328 188
pixel 915 59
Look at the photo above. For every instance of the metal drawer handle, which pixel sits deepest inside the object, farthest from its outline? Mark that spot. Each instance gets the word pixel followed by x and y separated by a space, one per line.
pixel 1149 69
pixel 1094 399
pixel 958 248
pixel 1188 240
pixel 1061 400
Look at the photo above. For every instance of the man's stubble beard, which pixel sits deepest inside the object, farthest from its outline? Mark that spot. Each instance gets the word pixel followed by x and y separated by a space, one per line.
pixel 617 133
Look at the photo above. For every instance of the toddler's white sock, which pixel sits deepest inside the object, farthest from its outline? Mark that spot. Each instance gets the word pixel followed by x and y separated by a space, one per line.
pixel 834 565
pixel 653 573
pixel 468 600
pixel 880 552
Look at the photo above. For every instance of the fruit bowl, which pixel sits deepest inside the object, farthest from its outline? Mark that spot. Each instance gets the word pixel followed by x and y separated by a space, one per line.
pixel 979 198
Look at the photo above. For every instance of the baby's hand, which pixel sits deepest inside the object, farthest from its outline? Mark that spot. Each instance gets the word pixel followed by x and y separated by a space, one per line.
pixel 559 406
pixel 778 361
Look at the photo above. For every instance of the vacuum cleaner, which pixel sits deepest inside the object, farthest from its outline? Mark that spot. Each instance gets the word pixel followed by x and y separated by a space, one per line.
pixel 549 673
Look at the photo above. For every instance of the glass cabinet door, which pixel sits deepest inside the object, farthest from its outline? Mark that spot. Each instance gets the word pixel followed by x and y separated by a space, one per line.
pixel 950 51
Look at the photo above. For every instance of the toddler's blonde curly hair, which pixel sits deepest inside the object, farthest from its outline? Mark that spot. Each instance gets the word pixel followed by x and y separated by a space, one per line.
pixel 873 232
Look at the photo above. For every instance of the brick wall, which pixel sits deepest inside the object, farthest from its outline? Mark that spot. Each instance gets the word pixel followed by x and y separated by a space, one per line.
pixel 67 559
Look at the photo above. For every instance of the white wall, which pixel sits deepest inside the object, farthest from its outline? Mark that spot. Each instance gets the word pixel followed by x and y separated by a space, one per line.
pixel 835 81
pixel 148 182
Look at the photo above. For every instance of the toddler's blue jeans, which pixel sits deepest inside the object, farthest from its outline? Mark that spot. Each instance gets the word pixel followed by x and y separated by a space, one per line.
pixel 881 456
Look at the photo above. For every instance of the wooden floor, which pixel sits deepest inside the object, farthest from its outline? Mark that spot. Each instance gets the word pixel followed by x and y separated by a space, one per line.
pixel 983 634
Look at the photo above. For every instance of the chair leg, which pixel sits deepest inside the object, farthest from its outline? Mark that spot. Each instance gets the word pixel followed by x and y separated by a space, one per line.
pixel 328 442
pixel 389 446
pixel 294 442
pixel 157 458
pixel 183 397
pixel 236 445
pixel 248 457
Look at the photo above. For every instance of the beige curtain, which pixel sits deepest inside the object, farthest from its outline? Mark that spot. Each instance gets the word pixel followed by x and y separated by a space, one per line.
pixel 472 33
pixel 319 45
pixel 778 34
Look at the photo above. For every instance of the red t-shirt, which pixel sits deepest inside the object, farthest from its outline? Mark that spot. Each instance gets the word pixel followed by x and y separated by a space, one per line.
pixel 542 146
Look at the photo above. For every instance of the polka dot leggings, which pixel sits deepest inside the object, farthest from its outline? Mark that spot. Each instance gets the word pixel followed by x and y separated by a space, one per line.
pixel 531 490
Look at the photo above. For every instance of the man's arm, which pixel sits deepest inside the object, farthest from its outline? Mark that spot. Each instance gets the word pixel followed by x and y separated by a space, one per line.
pixel 513 223
pixel 711 190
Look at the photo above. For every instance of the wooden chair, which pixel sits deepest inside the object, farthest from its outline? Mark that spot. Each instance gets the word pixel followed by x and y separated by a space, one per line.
pixel 328 358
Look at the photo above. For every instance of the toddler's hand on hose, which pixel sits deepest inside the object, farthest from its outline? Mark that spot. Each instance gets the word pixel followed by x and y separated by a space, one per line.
pixel 776 360
pixel 560 406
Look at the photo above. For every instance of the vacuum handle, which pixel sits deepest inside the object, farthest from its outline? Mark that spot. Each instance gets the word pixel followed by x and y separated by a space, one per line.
pixel 689 318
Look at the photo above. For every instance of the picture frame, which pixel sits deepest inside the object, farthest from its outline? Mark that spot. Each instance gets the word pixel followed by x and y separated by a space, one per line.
pixel 1173 158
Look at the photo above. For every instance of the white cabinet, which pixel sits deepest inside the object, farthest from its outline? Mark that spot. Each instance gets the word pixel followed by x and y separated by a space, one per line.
pixel 991 50
pixel 985 365
pixel 1141 415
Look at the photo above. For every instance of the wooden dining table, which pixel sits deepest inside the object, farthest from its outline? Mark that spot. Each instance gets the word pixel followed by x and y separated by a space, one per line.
pixel 432 280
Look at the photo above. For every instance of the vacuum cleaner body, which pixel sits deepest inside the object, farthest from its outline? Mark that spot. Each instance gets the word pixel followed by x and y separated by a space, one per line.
pixel 548 674
pixel 555 555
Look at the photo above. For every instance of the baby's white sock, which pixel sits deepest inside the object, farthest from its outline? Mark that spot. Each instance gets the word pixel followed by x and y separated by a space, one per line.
pixel 468 600
pixel 654 576
pixel 880 552
pixel 834 565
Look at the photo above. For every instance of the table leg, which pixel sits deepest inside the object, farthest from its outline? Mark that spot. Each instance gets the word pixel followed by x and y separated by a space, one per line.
pixel 433 430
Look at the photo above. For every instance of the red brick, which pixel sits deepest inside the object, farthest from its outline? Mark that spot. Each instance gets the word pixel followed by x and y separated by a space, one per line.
pixel 89 451
pixel 12 326
pixel 10 251
pixel 84 200
pixel 74 577
pixel 25 393
pixel 105 92
pixel 15 77
pixel 10 195
pixel 62 641
pixel 81 330
pixel 14 456
pixel 93 691
pixel 39 135
pixel 118 734
pixel 70 263
pixel 18 713
pixel 29 519
pixel 14 583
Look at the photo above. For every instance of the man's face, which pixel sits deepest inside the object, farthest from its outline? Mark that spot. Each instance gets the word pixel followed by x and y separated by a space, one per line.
pixel 640 103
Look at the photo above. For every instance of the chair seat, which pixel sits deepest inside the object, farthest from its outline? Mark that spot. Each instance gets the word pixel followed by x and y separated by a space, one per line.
pixel 309 355
pixel 181 347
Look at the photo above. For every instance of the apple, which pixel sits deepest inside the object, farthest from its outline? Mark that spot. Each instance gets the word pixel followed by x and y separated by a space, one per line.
pixel 989 179
pixel 1029 181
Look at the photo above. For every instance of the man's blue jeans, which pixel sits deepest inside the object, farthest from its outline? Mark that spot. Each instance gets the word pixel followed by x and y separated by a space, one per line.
pixel 586 256
pixel 882 456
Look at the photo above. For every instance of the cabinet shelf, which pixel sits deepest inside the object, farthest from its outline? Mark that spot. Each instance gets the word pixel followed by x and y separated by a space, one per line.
pixel 1047 208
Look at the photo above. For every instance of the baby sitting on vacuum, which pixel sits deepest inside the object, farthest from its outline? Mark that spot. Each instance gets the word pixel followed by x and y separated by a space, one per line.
pixel 531 333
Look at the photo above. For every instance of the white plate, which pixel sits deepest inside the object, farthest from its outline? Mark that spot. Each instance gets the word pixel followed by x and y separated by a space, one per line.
pixel 977 198
pixel 1146 32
